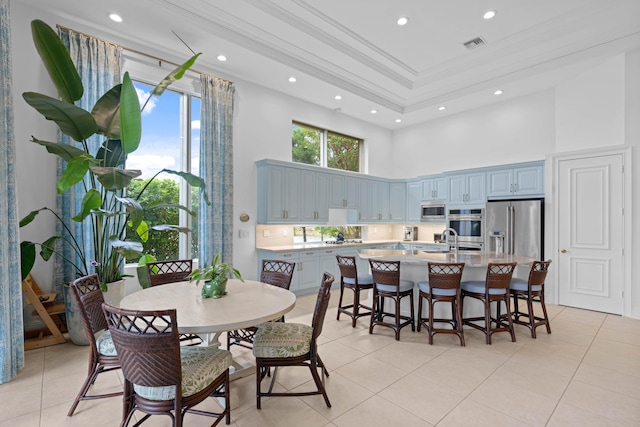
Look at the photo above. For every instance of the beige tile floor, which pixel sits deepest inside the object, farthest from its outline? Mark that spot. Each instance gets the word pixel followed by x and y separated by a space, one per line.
pixel 586 373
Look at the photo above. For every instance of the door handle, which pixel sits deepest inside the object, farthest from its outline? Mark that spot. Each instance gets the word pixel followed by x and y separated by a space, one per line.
pixel 564 251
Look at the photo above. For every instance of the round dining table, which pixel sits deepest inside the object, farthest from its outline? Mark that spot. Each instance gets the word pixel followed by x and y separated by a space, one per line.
pixel 247 303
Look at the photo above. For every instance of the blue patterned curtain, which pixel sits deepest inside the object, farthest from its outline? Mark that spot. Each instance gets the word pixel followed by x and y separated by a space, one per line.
pixel 98 63
pixel 215 231
pixel 11 324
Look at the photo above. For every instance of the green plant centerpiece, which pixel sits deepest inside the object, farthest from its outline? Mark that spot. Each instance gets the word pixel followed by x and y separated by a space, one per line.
pixel 106 206
pixel 215 278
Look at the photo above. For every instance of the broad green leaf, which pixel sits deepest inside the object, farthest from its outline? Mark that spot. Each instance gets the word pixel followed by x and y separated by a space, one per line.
pixel 193 180
pixel 169 227
pixel 30 217
pixel 142 230
pixel 145 259
pixel 115 178
pixel 75 171
pixel 176 74
pixel 111 154
pixel 79 124
pixel 27 257
pixel 48 247
pixel 134 210
pixel 128 248
pixel 91 200
pixel 65 151
pixel 130 117
pixel 106 113
pixel 57 61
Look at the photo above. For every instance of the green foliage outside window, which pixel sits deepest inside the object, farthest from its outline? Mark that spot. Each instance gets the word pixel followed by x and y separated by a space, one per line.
pixel 343 152
pixel 163 245
pixel 305 145
pixel 308 144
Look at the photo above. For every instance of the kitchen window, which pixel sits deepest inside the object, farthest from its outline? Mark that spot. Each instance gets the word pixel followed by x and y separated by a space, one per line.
pixel 322 147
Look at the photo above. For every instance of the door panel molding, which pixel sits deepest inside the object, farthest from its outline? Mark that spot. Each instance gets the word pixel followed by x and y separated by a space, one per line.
pixel 603 242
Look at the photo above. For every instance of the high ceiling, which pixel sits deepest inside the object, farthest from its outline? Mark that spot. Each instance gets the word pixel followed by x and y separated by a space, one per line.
pixel 355 49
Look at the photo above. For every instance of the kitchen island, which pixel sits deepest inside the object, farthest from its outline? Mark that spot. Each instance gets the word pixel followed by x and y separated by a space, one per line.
pixel 413 266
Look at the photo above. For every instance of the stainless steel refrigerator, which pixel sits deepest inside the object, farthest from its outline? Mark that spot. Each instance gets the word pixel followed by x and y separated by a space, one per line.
pixel 517 226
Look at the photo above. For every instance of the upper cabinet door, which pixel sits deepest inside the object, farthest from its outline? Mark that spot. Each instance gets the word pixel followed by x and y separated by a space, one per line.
pixel 414 197
pixel 398 202
pixel 466 189
pixel 525 181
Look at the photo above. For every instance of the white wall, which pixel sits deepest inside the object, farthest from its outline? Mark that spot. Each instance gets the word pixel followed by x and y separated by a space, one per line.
pixel 517 130
pixel 590 108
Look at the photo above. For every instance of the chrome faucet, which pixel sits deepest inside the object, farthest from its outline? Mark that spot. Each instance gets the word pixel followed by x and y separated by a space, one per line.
pixel 455 238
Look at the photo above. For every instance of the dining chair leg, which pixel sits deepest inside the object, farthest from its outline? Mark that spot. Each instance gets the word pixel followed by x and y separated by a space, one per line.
pixel 340 300
pixel 487 320
pixel 510 320
pixel 544 312
pixel 413 314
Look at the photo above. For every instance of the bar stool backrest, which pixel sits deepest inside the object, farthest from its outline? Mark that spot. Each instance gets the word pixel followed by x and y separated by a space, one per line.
pixel 445 275
pixel 538 272
pixel 347 266
pixel 385 272
pixel 499 275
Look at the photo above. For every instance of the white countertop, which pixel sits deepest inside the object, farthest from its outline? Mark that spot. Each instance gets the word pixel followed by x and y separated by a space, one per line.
pixel 470 258
pixel 322 245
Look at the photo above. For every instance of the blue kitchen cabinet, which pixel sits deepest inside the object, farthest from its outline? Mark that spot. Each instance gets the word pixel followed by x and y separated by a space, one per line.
pixel 517 181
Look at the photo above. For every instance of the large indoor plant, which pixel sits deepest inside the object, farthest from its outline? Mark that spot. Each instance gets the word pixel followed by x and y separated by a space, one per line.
pixel 117 117
pixel 215 277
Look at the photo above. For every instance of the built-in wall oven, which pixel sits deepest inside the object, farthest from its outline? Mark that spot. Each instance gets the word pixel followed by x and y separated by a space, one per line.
pixel 469 224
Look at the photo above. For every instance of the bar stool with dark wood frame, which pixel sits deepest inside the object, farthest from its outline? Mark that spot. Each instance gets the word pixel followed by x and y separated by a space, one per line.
pixel 443 286
pixel 351 279
pixel 387 284
pixel 274 272
pixel 495 288
pixel 531 290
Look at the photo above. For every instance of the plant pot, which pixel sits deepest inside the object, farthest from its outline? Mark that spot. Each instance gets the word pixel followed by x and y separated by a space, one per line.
pixel 214 288
pixel 75 326
pixel 115 292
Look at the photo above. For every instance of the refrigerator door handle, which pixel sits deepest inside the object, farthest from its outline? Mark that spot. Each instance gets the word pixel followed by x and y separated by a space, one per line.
pixel 512 230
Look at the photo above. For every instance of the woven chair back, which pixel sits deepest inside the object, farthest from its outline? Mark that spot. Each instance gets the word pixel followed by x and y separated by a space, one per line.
pixel 445 275
pixel 538 273
pixel 347 266
pixel 162 272
pixel 322 302
pixel 147 344
pixel 499 275
pixel 385 272
pixel 277 273
pixel 88 294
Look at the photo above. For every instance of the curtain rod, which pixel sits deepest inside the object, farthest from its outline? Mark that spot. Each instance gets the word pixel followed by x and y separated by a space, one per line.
pixel 137 51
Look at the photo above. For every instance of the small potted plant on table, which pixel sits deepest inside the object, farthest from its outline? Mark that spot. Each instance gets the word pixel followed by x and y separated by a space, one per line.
pixel 215 278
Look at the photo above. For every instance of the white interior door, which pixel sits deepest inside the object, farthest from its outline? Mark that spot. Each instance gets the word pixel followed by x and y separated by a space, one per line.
pixel 590 233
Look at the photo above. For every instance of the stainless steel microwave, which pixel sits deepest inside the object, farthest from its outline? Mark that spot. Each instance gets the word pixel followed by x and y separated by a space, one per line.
pixel 433 211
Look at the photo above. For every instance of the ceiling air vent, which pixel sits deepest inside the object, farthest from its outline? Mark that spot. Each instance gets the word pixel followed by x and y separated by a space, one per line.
pixel 474 43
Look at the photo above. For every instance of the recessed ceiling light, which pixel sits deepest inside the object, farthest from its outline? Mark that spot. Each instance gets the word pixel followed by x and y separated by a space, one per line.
pixel 292 79
pixel 498 92
pixel 115 17
pixel 402 20
pixel 222 58
pixel 442 107
pixel 398 120
pixel 374 111
pixel 489 14
pixel 338 97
